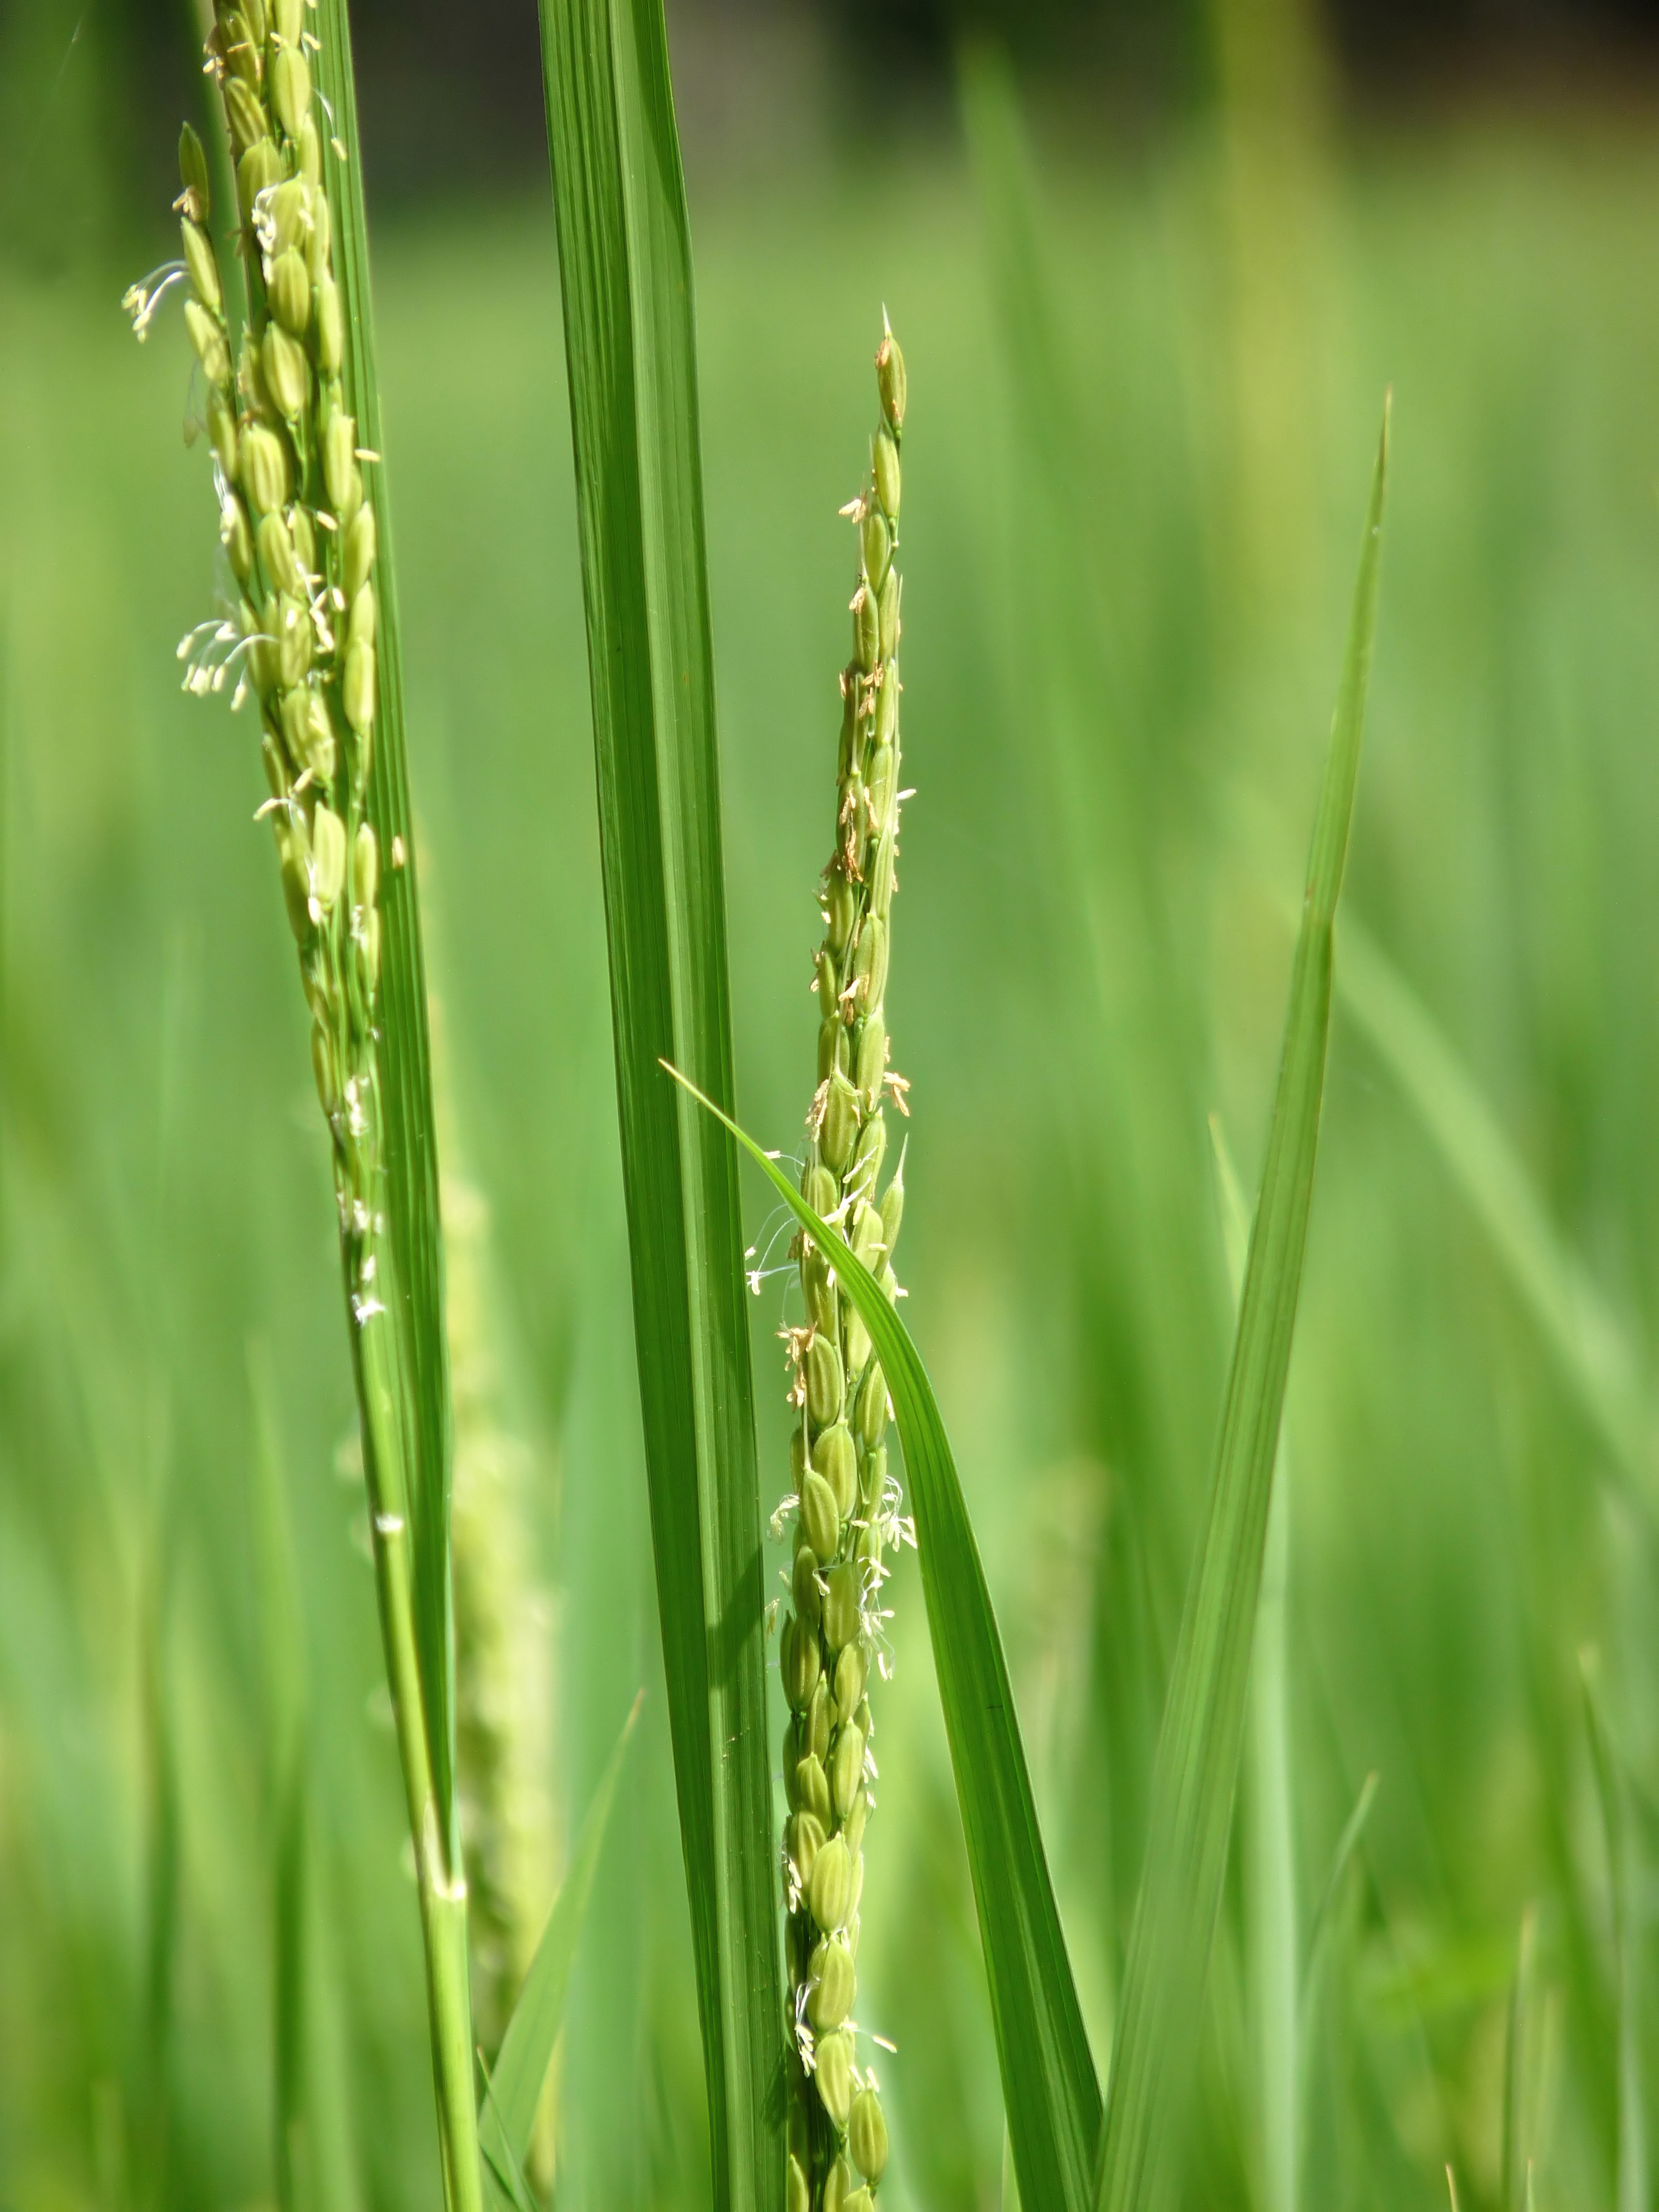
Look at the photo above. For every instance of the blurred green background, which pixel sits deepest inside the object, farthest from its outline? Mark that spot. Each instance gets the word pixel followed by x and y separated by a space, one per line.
pixel 1147 372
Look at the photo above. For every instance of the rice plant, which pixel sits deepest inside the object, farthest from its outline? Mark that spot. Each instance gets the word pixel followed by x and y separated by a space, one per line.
pixel 844 1502
pixel 1417 1943
pixel 311 631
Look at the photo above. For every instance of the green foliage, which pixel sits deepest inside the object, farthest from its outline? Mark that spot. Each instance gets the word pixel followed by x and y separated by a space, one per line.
pixel 625 258
pixel 1462 1526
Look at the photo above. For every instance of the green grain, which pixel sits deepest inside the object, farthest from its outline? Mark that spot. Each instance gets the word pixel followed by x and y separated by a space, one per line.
pixel 847 1502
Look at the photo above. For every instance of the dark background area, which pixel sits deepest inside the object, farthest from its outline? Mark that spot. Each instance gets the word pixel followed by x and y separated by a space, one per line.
pixel 452 94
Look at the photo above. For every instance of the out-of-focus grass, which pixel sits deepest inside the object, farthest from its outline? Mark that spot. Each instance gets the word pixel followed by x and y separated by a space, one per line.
pixel 1456 1537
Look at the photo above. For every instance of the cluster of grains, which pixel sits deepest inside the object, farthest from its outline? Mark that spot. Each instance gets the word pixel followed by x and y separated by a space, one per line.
pixel 300 531
pixel 846 1503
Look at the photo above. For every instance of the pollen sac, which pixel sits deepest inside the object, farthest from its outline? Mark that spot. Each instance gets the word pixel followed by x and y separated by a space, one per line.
pixel 836 1462
pixel 820 1517
pixel 840 1608
pixel 830 1894
pixel 265 470
pixel 867 2135
pixel 839 1131
pixel 812 1789
pixel 803 1585
pixel 871 1413
pixel 890 381
pixel 357 558
pixel 866 629
pixel 873 1056
pixel 800 1662
pixel 290 290
pixel 851 1671
pixel 331 324
pixel 287 372
pixel 290 88
pixel 358 687
pixel 885 463
pixel 876 547
pixel 834 2068
pixel 834 1985
pixel 825 1382
pixel 207 335
pixel 277 552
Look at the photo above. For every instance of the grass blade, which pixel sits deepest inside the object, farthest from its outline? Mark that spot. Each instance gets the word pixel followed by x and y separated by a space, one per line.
pixel 625 263
pixel 1204 1719
pixel 1272 1948
pixel 526 2049
pixel 1049 2083
pixel 1590 1344
pixel 1625 1886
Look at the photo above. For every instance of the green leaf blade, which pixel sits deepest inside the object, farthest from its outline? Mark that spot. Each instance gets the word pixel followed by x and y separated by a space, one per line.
pixel 1202 1733
pixel 626 271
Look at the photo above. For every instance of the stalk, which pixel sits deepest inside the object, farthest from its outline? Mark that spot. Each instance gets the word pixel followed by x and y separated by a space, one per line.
pixel 299 529
pixel 845 1501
